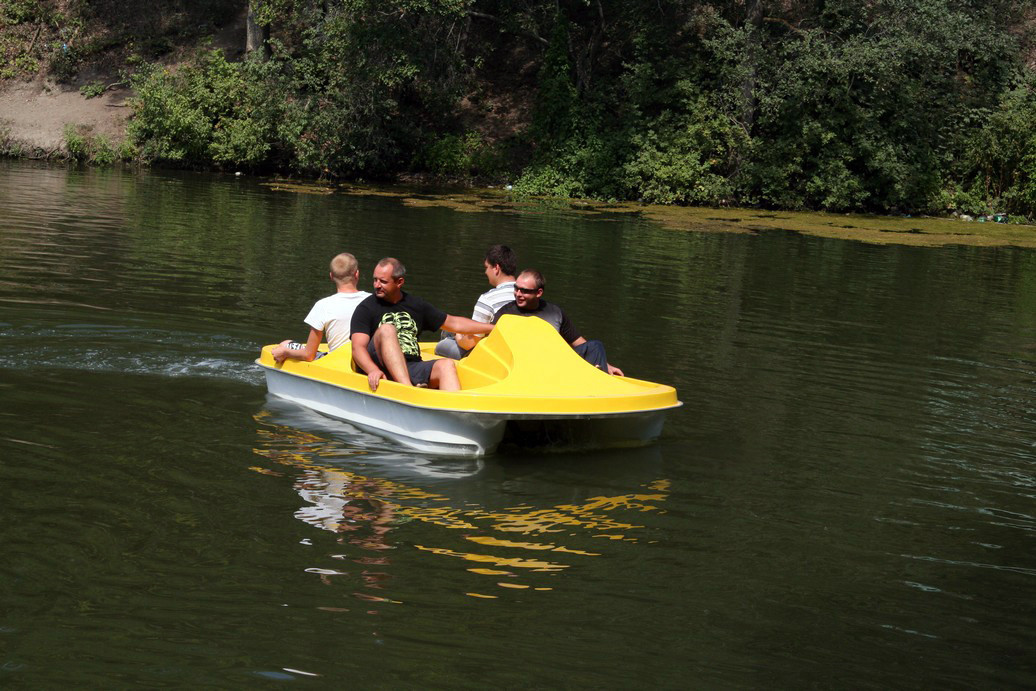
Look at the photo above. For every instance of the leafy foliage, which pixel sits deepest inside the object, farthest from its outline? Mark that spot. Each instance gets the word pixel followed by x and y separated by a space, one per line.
pixel 76 144
pixel 197 115
pixel 59 38
pixel 458 155
pixel 97 150
pixel 92 89
pixel 999 162
pixel 891 105
pixel 685 156
pixel 348 90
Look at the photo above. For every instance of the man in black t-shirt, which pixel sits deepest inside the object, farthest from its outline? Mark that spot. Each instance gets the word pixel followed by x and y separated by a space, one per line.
pixel 385 328
pixel 528 302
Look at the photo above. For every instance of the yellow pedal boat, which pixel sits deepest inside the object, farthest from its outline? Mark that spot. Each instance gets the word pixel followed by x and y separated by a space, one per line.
pixel 522 380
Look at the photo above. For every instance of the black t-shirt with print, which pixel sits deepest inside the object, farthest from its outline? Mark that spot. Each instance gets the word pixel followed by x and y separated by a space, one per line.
pixel 411 315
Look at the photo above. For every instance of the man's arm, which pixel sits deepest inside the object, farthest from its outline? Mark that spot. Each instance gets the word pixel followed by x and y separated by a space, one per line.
pixel 460 325
pixel 464 328
pixel 468 341
pixel 610 368
pixel 282 352
pixel 363 359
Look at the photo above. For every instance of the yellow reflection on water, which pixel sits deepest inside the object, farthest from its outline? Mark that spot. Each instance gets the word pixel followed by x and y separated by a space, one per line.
pixel 496 542
pixel 515 562
pixel 486 540
pixel 368 512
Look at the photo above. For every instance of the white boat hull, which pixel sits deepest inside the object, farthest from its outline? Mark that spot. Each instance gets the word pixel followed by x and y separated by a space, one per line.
pixel 465 433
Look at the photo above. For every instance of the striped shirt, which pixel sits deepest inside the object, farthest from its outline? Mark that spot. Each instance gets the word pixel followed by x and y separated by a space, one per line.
pixel 491 301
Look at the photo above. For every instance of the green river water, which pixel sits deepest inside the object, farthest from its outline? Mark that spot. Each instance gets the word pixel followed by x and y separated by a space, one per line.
pixel 847 497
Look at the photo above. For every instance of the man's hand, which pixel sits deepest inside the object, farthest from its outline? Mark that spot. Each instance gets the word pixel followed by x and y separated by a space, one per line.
pixel 460 325
pixel 280 351
pixel 374 377
pixel 468 341
pixel 612 369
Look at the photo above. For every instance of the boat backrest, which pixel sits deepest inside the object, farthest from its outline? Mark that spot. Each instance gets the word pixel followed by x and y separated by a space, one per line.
pixel 488 363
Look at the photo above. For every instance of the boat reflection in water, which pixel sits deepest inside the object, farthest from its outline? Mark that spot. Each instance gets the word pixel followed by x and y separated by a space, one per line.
pixel 376 500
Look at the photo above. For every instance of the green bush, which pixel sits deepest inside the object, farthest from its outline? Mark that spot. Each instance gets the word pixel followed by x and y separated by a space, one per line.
pixel 92 90
pixel 64 61
pixel 77 144
pixel 98 150
pixel 344 92
pixel 586 164
pixel 126 151
pixel 193 116
pixel 21 11
pixel 466 154
pixel 998 168
pixel 962 201
pixel 447 155
pixel 102 152
pixel 240 141
pixel 546 180
pixel 7 146
pixel 684 157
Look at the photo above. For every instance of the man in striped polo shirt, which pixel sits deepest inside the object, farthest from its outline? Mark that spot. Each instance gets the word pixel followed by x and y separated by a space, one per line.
pixel 501 264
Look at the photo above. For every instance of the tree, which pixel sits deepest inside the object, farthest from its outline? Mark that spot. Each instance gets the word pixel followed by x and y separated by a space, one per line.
pixel 257 33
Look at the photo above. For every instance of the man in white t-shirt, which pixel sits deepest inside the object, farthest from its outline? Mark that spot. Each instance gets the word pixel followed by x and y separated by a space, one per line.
pixel 330 317
pixel 501 264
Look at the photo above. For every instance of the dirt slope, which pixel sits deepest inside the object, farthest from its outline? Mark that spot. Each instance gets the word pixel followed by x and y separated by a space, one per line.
pixel 33 115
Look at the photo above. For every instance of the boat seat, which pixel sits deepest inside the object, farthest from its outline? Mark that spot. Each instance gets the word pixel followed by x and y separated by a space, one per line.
pixel 487 363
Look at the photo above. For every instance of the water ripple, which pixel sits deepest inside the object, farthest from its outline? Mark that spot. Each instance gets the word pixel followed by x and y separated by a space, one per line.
pixel 128 350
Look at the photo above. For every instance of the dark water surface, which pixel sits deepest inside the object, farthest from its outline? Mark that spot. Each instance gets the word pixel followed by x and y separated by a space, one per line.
pixel 846 499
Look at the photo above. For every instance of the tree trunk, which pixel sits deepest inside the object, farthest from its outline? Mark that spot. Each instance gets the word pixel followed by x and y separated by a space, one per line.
pixel 257 36
pixel 753 28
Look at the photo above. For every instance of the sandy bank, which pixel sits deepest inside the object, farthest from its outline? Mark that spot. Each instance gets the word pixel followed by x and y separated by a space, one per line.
pixel 34 114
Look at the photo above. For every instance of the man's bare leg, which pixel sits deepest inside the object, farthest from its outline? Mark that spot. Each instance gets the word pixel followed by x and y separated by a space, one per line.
pixel 386 344
pixel 444 376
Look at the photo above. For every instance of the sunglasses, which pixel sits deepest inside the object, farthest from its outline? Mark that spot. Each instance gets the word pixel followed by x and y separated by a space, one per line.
pixel 526 291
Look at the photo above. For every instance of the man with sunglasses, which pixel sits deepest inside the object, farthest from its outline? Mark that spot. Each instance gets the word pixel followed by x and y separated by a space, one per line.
pixel 529 302
pixel 385 328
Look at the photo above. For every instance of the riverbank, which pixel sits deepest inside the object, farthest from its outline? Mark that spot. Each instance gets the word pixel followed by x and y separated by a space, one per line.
pixel 37 107
pixel 528 94
pixel 34 117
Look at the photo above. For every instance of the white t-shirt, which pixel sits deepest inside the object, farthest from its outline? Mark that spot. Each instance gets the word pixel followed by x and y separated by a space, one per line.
pixel 334 314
